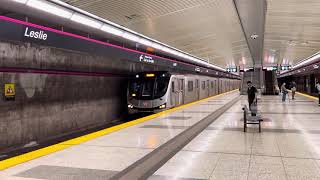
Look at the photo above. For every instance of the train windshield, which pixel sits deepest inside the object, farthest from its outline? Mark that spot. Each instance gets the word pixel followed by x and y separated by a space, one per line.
pixel 148 88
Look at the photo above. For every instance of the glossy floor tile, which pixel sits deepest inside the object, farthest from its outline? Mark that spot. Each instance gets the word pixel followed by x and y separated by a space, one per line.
pixel 191 165
pixel 287 148
pixel 231 167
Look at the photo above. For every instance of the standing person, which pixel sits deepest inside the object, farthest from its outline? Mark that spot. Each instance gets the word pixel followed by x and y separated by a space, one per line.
pixel 293 89
pixel 284 91
pixel 318 88
pixel 252 96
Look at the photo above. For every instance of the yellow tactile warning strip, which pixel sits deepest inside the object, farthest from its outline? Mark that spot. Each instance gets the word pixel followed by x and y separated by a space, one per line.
pixel 306 95
pixel 63 145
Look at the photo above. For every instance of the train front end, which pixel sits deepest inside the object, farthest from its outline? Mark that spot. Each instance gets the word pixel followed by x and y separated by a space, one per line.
pixel 147 92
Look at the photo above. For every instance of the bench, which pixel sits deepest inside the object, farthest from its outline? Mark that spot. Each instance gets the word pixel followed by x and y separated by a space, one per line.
pixel 248 119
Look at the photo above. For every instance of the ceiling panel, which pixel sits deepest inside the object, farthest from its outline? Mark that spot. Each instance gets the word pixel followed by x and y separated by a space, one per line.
pixel 209 29
pixel 292 30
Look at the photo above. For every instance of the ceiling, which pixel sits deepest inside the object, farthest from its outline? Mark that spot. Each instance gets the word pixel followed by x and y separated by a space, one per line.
pixel 292 30
pixel 252 16
pixel 212 29
pixel 209 29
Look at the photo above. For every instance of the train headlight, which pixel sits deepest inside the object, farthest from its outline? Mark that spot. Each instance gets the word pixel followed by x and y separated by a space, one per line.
pixel 133 95
pixel 130 106
pixel 162 106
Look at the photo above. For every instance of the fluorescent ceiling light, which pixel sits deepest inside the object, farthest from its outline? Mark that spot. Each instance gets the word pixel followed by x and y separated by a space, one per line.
pixel 171 51
pixel 156 46
pixel 112 30
pixel 165 49
pixel 179 54
pixel 145 42
pixel 82 19
pixel 130 36
pixel 185 56
pixel 191 58
pixel 50 8
pixel 21 1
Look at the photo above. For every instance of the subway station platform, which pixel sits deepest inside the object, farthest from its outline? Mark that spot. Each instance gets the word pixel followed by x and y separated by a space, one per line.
pixel 202 140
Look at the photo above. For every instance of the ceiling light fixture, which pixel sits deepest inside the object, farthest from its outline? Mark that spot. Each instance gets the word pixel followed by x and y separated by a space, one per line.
pixel 130 36
pixel 85 20
pixel 112 30
pixel 21 1
pixel 145 42
pixel 156 46
pixel 50 8
pixel 254 36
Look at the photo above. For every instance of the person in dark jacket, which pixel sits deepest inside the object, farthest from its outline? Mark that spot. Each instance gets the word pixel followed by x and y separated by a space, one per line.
pixel 293 89
pixel 252 96
pixel 284 91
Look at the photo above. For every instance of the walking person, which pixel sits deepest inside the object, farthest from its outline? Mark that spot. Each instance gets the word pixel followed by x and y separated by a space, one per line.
pixel 284 91
pixel 318 88
pixel 293 89
pixel 252 98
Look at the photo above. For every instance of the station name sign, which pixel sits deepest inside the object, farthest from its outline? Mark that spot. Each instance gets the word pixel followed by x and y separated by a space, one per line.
pixel 35 34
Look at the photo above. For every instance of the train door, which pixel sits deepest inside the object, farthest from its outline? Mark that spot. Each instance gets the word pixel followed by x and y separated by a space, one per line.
pixel 208 88
pixel 180 91
pixel 173 93
pixel 215 87
pixel 197 89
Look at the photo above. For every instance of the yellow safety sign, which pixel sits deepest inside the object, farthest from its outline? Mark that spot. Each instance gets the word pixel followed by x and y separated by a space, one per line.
pixel 9 90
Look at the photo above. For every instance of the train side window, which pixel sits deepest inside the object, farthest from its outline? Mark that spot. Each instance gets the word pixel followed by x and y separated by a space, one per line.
pixel 190 86
pixel 203 84
pixel 197 83
pixel 172 87
pixel 181 84
pixel 211 84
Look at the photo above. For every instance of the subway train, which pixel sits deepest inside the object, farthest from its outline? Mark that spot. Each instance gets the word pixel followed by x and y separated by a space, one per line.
pixel 157 91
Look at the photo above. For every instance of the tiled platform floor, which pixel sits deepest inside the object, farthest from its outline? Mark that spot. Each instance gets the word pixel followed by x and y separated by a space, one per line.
pixel 112 153
pixel 287 148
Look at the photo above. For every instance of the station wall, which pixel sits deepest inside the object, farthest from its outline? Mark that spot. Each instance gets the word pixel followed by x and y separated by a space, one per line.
pixel 49 105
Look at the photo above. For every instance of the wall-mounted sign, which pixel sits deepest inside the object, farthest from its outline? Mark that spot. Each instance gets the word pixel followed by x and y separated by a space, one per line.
pixel 9 92
pixel 232 69
pixel 35 34
pixel 285 67
pixel 247 69
pixel 145 58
